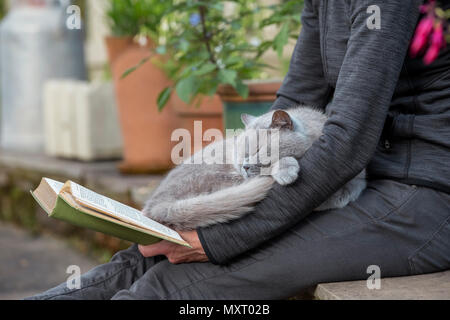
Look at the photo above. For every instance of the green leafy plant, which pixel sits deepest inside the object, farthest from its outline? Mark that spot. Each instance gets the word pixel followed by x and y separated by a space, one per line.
pixel 2 9
pixel 286 15
pixel 208 44
pixel 134 17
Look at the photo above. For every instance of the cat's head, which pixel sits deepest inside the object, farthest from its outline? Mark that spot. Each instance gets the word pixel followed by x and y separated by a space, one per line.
pixel 256 151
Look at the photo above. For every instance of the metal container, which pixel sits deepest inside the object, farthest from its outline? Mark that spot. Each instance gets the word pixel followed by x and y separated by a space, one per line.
pixel 35 46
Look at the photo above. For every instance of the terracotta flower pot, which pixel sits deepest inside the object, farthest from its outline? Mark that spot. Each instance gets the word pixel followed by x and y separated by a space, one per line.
pixel 146 131
pixel 209 112
pixel 262 95
pixel 116 45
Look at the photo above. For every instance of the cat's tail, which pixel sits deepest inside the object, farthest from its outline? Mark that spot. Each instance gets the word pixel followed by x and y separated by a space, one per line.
pixel 218 207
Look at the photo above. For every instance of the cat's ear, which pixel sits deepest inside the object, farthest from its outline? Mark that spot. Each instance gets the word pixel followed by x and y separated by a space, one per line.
pixel 282 120
pixel 246 119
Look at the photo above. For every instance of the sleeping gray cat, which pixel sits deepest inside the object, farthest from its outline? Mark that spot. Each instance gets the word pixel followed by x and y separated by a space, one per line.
pixel 199 195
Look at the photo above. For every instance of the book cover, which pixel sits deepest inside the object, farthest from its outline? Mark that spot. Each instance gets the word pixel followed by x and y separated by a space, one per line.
pixel 67 208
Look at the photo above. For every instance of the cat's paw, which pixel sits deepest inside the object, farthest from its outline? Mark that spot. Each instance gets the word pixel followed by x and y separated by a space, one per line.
pixel 285 171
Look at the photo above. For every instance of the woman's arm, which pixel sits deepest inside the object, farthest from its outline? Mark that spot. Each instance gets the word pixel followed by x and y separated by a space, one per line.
pixel 364 90
pixel 305 82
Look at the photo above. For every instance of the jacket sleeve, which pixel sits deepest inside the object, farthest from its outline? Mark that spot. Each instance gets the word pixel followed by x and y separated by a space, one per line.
pixel 305 82
pixel 364 90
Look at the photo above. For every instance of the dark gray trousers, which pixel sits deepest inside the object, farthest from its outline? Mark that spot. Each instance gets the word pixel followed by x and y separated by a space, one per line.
pixel 402 229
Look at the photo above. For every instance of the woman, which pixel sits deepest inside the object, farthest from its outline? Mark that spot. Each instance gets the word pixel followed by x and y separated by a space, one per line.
pixel 389 113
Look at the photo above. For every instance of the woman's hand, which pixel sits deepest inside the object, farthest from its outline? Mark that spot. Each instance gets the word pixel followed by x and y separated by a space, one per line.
pixel 175 253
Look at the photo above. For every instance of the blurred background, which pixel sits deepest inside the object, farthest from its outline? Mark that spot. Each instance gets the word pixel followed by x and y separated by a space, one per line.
pixel 91 91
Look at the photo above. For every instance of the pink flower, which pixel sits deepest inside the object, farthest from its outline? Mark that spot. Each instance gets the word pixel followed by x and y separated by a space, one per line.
pixel 425 8
pixel 420 39
pixel 437 43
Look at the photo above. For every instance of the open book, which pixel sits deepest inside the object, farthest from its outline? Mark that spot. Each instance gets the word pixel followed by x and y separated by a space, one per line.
pixel 82 207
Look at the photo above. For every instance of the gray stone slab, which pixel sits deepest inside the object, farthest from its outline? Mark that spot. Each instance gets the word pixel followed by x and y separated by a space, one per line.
pixel 30 265
pixel 42 163
pixel 100 176
pixel 434 286
pixel 118 183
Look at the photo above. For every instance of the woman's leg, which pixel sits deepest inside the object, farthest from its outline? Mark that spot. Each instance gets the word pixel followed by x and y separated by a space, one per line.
pixel 400 228
pixel 104 281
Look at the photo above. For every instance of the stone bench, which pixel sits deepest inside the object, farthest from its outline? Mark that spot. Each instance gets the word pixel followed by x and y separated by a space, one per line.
pixel 435 286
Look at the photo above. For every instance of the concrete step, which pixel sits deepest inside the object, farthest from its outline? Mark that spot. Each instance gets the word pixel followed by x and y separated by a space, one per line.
pixel 435 286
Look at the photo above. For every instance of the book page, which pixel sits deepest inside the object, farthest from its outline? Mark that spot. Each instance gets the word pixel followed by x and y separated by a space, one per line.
pixel 121 211
pixel 55 185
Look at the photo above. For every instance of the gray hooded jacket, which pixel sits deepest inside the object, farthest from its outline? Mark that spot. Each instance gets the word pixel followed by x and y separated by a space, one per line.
pixel 388 112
